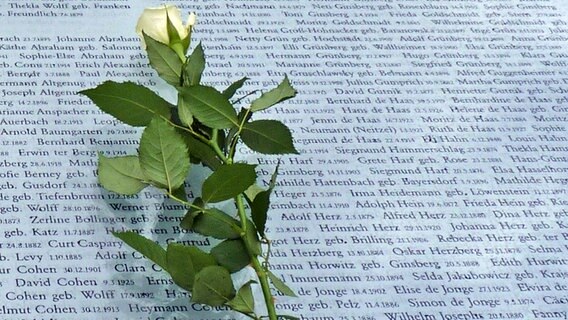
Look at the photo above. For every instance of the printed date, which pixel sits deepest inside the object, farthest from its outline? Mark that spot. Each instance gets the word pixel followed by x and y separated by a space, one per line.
pixel 99 309
pixel 119 282
pixel 506 315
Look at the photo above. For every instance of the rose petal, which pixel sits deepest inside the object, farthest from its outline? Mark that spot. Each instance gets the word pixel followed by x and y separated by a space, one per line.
pixel 153 22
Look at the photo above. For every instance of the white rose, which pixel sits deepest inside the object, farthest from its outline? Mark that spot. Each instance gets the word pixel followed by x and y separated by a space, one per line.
pixel 154 23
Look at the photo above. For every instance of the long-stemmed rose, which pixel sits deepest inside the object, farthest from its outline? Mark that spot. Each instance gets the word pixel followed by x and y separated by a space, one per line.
pixel 202 127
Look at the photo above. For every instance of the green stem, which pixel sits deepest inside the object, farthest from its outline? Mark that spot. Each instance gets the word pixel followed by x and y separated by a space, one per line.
pixel 260 271
pixel 191 205
pixel 246 95
pixel 258 268
pixel 233 148
pixel 193 133
pixel 213 144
